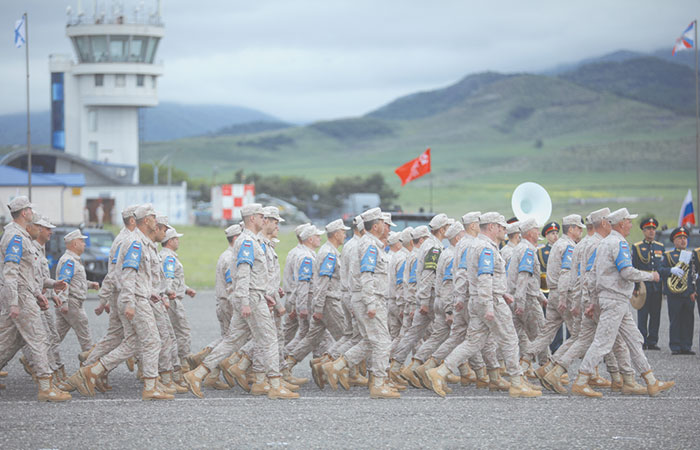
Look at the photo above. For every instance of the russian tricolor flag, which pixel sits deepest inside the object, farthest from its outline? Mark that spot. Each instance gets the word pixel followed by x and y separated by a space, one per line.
pixel 687 215
pixel 686 40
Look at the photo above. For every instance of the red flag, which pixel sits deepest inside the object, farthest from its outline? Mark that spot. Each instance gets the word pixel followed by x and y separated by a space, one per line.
pixel 415 168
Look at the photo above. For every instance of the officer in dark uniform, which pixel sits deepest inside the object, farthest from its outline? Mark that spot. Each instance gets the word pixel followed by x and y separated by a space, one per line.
pixel 647 255
pixel 681 305
pixel 550 232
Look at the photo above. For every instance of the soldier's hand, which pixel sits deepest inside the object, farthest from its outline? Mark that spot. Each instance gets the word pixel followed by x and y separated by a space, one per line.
pixel 171 295
pixel 270 301
pixel 57 301
pixel 693 297
pixel 371 313
pixel 245 311
pixel 107 308
pixel 303 314
pixel 318 317
pixel 155 298
pixel 656 276
pixel 14 311
pixel 411 315
pixel 459 306
pixel 489 316
pixel 292 315
pixel 508 298
pixel 590 309
pixel 281 311
pixel 280 291
pixel 576 312
pixel 191 292
pixel 93 285
pixel 60 286
pixel 519 311
pixel 64 308
pixel 449 319
pixel 424 310
pixel 99 309
pixel 544 303
pixel 129 312
pixel 561 308
pixel 43 302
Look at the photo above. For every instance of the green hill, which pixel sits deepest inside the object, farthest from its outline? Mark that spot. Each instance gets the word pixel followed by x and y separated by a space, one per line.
pixel 488 133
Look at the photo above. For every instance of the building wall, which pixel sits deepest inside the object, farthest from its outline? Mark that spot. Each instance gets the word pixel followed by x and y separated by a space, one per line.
pixel 62 205
pixel 168 200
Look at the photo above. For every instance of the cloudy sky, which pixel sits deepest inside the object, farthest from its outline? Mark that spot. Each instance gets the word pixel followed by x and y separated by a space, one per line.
pixel 303 60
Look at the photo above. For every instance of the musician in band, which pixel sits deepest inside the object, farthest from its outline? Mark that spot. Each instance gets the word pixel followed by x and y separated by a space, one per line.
pixel 679 287
pixel 647 255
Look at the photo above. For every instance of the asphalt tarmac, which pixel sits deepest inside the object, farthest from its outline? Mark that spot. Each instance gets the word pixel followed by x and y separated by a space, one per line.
pixel 326 419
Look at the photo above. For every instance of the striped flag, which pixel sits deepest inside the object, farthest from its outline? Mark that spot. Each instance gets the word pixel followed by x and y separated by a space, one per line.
pixel 687 216
pixel 686 40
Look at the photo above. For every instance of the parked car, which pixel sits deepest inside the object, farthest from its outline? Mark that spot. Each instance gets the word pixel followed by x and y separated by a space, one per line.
pixel 96 255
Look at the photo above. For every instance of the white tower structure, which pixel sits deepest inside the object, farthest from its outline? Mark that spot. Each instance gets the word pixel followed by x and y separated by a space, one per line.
pixel 95 99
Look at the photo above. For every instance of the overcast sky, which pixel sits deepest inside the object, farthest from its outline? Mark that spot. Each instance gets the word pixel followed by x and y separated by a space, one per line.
pixel 303 60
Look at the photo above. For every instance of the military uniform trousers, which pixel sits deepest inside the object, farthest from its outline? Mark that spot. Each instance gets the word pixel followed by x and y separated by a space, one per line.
pixel 253 352
pixel 529 325
pixel 115 331
pixel 260 324
pixel 682 318
pixel 440 332
pixel 290 326
pixel 333 322
pixel 167 339
pixel 224 311
pixel 553 321
pixel 27 329
pixel 76 319
pixel 478 333
pixel 140 338
pixel 376 342
pixel 351 329
pixel 406 323
pixel 49 322
pixel 649 317
pixel 395 319
pixel 181 327
pixel 573 329
pixel 615 317
pixel 413 335
pixel 458 333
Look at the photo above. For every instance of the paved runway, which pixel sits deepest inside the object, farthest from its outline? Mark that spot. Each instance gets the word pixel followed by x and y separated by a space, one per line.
pixel 327 419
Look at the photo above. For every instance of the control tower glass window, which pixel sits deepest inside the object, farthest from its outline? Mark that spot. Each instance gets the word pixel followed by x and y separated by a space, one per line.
pixel 137 50
pixel 151 51
pixel 83 44
pixel 99 48
pixel 118 48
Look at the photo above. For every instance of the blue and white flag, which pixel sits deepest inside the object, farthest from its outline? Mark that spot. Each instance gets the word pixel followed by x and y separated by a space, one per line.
pixel 686 41
pixel 20 33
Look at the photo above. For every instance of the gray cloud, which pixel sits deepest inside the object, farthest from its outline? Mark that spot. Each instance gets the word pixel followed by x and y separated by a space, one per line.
pixel 308 60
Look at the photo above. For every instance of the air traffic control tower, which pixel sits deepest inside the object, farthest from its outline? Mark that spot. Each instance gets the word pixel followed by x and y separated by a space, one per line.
pixel 95 99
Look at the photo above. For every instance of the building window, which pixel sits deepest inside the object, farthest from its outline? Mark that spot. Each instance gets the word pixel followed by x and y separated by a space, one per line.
pixel 154 81
pixel 92 148
pixel 99 80
pixel 139 80
pixel 92 119
pixel 118 48
pixel 120 80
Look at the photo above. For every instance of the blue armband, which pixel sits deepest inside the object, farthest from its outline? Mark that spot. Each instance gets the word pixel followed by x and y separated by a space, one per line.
pixel 527 262
pixel 246 253
pixel 369 260
pixel 399 273
pixel 463 260
pixel 624 258
pixel 591 261
pixel 485 262
pixel 567 257
pixel 328 266
pixel 116 254
pixel 66 272
pixel 412 277
pixel 448 271
pixel 132 259
pixel 227 276
pixel 169 267
pixel 13 252
pixel 305 270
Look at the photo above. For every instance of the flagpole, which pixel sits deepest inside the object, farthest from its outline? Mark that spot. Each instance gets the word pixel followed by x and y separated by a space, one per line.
pixel 697 117
pixel 29 136
pixel 431 191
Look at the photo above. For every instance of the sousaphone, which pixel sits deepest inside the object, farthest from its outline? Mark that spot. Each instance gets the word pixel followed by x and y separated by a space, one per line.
pixel 530 200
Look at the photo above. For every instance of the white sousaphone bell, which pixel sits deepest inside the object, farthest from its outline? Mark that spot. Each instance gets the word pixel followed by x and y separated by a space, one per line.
pixel 530 200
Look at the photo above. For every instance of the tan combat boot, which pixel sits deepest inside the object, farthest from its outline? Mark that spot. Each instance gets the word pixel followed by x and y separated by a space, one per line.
pixel 467 376
pixel 395 373
pixel 290 386
pixel 421 370
pixel 261 385
pixel 276 390
pixel 287 375
pixel 238 372
pixel 335 371
pixel 151 391
pixel 617 382
pixel 212 381
pixel 85 379
pixel 130 362
pixel 438 379
pixel 520 389
pixel 316 373
pixel 631 387
pixel 50 393
pixel 655 386
pixel 598 381
pixel 496 382
pixel 194 378
pixel 363 367
pixel 83 356
pixel 553 379
pixel 56 380
pixel 3 373
pixel 166 378
pixel 410 376
pixel 482 378
pixel 27 367
pixel 380 389
pixel 356 378
pixel 541 372
pixel 196 359
pixel 582 388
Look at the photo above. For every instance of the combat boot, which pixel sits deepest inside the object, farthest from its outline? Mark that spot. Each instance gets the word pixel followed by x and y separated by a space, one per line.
pixel 85 378
pixel 598 381
pixel 287 375
pixel 27 367
pixel 408 374
pixel 151 391
pixel 452 378
pixel 194 378
pixel 617 382
pixel 520 389
pixel 356 378
pixel 49 393
pixel 238 372
pixel 261 385
pixel 380 389
pixel 212 381
pixel 467 375
pixel 582 388
pixel 83 356
pixel 553 379
pixel 130 361
pixel 437 377
pixel 170 386
pixel 196 359
pixel 482 378
pixel 139 372
pixel 334 371
pixel 528 370
pixel 290 386
pixel 394 373
pixel 541 372
pixel 363 367
pixel 61 373
pixel 496 382
pixel 56 380
pixel 291 362
pixel 276 390
pixel 655 386
pixel 421 371
pixel 631 387
pixel 104 382
pixel 3 373
pixel 316 372
pixel 177 378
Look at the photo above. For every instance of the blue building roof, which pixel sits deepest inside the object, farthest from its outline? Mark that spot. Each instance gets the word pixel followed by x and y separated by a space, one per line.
pixel 10 176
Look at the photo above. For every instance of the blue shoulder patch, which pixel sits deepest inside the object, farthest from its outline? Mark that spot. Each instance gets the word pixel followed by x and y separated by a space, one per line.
pixel 463 260
pixel 412 276
pixel 578 270
pixel 169 267
pixel 486 262
pixel 400 273
pixel 527 262
pixel 624 258
pixel 591 260
pixel 66 272
pixel 567 257
pixel 369 260
pixel 246 253
pixel 328 266
pixel 116 254
pixel 448 271
pixel 132 259
pixel 264 247
pixel 227 276
pixel 305 270
pixel 13 252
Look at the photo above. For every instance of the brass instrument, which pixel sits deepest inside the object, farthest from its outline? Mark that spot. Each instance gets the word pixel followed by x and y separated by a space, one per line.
pixel 543 283
pixel 676 284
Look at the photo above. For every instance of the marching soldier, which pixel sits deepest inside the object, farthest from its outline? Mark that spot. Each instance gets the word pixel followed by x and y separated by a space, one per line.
pixel 647 255
pixel 678 273
pixel 551 233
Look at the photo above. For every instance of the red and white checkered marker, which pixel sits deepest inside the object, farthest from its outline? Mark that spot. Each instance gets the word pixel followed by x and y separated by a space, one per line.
pixel 233 197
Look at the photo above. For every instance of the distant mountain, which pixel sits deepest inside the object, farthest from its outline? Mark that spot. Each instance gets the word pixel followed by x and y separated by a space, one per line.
pixel 685 58
pixel 250 128
pixel 646 79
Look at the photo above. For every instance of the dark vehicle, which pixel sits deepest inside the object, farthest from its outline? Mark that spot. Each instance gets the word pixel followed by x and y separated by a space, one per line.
pixel 94 258
pixel 413 220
